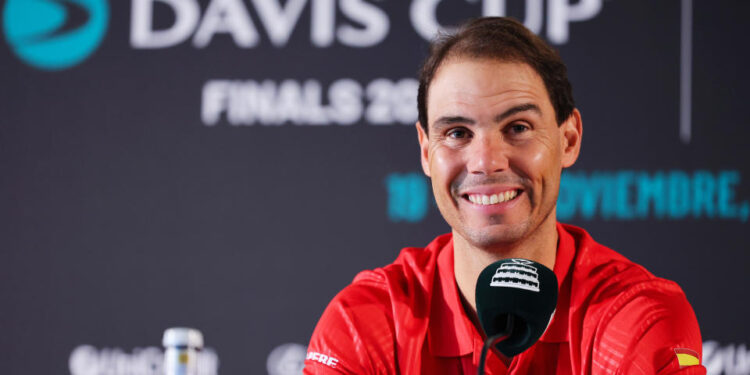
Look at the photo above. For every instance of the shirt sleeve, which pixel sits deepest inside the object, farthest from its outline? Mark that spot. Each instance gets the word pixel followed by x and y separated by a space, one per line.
pixel 354 335
pixel 650 329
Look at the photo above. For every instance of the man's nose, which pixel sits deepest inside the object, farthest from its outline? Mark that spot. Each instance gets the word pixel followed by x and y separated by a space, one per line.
pixel 487 155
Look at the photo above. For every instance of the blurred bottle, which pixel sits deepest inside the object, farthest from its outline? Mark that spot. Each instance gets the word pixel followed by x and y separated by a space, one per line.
pixel 181 347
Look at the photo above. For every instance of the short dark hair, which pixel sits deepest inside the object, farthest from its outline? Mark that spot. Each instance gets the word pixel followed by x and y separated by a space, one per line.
pixel 503 39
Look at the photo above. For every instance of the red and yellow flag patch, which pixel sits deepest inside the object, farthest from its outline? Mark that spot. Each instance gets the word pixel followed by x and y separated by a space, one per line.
pixel 687 357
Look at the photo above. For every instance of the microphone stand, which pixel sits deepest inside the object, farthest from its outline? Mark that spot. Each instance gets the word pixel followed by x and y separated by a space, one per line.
pixel 492 341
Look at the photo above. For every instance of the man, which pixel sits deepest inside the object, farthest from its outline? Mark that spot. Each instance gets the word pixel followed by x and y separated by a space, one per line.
pixel 497 124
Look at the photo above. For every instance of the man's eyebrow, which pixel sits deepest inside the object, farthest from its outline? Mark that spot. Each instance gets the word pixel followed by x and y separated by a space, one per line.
pixel 518 109
pixel 452 120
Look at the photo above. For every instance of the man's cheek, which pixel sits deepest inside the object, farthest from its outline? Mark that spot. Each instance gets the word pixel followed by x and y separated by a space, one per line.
pixel 534 163
pixel 443 172
pixel 534 156
pixel 442 161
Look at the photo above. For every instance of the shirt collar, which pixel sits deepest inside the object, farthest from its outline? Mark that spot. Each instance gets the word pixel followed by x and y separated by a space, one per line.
pixel 566 251
pixel 451 333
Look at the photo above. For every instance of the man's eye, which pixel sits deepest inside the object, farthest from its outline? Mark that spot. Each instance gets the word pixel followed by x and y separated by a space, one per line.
pixel 518 128
pixel 458 133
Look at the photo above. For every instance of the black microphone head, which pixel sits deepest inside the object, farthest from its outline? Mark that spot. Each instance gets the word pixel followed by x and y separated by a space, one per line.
pixel 523 289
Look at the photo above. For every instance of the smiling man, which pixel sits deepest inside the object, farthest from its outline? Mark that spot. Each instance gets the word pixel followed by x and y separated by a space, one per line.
pixel 497 125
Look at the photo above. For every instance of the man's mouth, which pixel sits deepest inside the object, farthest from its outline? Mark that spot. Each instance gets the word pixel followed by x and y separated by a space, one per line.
pixel 487 200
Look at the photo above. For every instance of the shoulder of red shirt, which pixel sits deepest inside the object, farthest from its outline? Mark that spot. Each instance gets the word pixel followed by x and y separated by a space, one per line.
pixel 629 317
pixel 625 313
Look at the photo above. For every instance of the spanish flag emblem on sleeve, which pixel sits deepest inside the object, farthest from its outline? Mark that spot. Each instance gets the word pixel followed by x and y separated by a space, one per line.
pixel 687 357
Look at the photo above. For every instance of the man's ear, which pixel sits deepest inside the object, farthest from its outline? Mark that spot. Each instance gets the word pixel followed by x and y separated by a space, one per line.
pixel 572 132
pixel 424 152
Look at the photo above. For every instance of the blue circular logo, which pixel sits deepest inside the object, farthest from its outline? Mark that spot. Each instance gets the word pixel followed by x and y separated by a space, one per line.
pixel 55 34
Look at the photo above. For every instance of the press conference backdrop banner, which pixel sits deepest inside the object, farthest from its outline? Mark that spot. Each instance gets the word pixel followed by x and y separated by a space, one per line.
pixel 230 165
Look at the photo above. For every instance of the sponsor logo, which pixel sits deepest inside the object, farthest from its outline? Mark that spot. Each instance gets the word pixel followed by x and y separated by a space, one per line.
pixel 88 360
pixel 55 34
pixel 59 34
pixel 731 359
pixel 519 274
pixel 286 359
pixel 322 358
pixel 351 23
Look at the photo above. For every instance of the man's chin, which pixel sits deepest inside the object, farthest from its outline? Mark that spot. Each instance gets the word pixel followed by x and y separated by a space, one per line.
pixel 493 236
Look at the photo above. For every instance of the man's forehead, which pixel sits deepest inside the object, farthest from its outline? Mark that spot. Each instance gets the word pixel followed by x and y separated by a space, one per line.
pixel 485 84
pixel 484 73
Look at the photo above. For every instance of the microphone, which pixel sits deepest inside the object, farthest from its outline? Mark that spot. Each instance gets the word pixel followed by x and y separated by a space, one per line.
pixel 515 300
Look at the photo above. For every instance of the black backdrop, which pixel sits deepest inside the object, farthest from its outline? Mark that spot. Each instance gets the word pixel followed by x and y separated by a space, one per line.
pixel 235 184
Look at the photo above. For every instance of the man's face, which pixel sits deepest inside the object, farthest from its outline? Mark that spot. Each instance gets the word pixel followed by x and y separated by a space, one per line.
pixel 494 151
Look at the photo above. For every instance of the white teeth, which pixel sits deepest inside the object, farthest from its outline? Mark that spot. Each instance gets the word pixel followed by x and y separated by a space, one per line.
pixel 494 198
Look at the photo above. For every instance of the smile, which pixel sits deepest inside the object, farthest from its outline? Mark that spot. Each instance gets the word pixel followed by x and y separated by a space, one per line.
pixel 486 200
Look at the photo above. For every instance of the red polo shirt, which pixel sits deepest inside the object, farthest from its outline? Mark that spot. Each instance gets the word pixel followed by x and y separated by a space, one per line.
pixel 612 317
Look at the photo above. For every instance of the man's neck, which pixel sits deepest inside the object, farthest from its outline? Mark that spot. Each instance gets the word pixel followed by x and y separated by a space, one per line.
pixel 469 260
